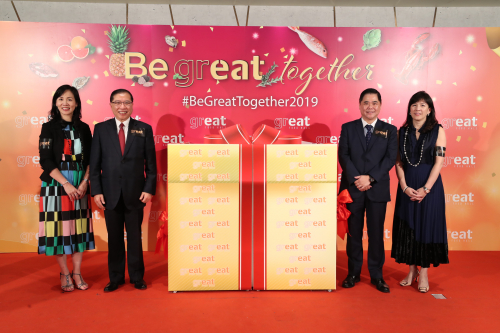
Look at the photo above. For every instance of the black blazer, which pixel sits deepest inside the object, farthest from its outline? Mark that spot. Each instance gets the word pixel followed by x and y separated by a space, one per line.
pixel 51 146
pixel 112 174
pixel 375 160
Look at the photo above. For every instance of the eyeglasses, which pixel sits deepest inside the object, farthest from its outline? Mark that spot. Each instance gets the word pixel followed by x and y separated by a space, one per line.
pixel 118 103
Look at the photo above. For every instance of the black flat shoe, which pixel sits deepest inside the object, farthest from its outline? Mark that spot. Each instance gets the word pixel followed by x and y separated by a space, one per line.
pixel 350 281
pixel 141 285
pixel 112 286
pixel 381 285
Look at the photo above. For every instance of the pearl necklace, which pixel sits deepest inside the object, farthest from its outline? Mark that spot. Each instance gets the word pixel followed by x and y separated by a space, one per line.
pixel 421 150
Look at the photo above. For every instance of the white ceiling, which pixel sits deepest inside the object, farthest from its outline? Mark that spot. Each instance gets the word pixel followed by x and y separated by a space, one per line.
pixel 340 3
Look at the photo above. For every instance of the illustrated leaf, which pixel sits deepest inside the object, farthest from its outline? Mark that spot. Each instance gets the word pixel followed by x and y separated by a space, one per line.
pixel 91 49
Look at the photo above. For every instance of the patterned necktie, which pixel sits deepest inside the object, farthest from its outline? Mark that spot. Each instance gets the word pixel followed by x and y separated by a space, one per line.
pixel 121 138
pixel 368 134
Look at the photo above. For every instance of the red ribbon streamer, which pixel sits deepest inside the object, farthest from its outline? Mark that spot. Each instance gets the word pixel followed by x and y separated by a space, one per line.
pixel 162 235
pixel 343 213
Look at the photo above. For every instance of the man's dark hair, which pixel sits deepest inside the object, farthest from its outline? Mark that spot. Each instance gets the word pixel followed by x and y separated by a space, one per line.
pixel 120 91
pixel 370 91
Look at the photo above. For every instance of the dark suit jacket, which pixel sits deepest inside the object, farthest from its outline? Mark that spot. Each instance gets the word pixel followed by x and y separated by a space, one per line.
pixel 51 146
pixel 131 174
pixel 375 160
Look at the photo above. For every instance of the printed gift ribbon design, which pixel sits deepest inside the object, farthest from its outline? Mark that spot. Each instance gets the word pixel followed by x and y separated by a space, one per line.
pixel 252 145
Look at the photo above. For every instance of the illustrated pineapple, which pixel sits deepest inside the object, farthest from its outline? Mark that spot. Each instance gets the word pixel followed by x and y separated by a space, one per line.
pixel 118 42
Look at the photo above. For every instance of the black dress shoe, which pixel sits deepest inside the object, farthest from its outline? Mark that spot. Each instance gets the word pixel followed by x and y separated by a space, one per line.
pixel 350 281
pixel 381 285
pixel 141 285
pixel 112 286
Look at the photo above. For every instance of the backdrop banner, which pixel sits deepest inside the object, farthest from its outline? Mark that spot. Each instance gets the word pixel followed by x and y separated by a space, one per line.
pixel 190 82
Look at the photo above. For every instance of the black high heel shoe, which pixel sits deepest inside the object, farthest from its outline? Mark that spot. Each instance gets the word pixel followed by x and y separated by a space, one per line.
pixel 82 283
pixel 68 284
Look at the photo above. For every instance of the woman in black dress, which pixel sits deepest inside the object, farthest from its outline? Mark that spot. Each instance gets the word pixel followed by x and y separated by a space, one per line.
pixel 419 227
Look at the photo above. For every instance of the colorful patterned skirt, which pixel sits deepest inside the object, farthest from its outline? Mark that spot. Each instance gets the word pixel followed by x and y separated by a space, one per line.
pixel 65 226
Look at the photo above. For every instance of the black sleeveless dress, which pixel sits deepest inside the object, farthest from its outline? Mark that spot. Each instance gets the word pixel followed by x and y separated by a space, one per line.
pixel 419 229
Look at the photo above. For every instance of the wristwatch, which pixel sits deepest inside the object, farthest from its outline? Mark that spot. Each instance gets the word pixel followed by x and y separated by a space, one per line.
pixel 371 179
pixel 427 190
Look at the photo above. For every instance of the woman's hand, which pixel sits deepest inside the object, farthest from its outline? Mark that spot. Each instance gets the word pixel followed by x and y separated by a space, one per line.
pixel 421 194
pixel 82 189
pixel 414 196
pixel 71 191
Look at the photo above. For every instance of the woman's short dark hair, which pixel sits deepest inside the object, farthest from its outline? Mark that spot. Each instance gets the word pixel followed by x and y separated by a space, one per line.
pixel 370 91
pixel 120 91
pixel 431 120
pixel 54 113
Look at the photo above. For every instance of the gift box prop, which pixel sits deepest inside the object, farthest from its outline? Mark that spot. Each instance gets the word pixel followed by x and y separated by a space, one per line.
pixel 267 193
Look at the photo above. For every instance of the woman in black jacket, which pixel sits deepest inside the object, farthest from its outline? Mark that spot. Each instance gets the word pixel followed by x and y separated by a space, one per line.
pixel 65 211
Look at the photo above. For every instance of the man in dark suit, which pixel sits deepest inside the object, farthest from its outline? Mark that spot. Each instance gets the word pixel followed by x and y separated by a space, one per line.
pixel 367 152
pixel 123 178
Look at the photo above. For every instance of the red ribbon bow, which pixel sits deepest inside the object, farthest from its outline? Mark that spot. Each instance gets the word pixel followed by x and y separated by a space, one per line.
pixel 264 135
pixel 343 213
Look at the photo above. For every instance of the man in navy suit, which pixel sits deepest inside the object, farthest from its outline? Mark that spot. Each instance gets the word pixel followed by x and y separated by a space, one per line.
pixel 123 177
pixel 367 152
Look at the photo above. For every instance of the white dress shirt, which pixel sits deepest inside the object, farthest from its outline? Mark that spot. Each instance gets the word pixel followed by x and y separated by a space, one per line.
pixel 125 127
pixel 365 123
